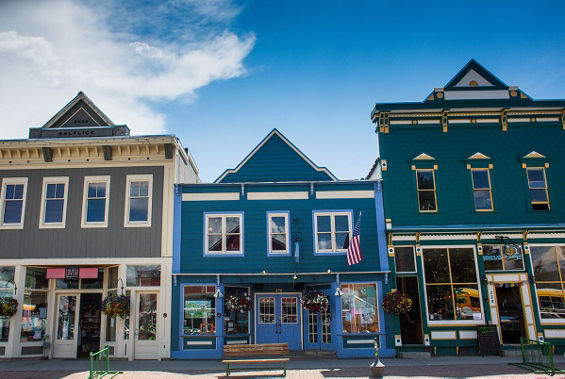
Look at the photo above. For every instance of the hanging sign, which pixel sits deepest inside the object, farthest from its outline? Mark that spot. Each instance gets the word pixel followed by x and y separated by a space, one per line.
pixel 71 273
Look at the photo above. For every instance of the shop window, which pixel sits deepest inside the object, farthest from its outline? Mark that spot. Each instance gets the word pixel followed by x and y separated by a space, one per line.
pixel 84 283
pixel 482 191
pixel 404 259
pixel 34 308
pixel 143 276
pixel 548 263
pixel 452 284
pixel 13 199
pixel 236 322
pixel 503 257
pixel 333 231
pixel 278 233
pixel 112 290
pixel 127 320
pixel 199 310
pixel 6 290
pixel 359 308
pixel 425 182
pixel 224 234
pixel 95 201
pixel 537 185
pixel 54 204
pixel 138 200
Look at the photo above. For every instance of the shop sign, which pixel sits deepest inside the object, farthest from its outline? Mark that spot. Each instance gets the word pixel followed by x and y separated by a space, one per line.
pixel 71 273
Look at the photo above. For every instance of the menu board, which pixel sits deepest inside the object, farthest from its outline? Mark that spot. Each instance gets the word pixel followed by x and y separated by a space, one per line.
pixel 487 339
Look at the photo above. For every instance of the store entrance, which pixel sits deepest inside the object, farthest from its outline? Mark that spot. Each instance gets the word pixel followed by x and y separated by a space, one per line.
pixel 510 313
pixel 411 322
pixel 89 324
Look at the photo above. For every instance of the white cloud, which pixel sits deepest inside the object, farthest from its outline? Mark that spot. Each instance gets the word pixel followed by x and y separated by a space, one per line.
pixel 51 50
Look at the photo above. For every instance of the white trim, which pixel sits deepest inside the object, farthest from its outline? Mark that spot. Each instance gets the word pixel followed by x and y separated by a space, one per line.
pixel 332 232
pixel 236 342
pixel 210 196
pixel 444 335
pixel 53 180
pixel 239 166
pixel 290 195
pixel 286 232
pixel 5 182
pixel 141 178
pixel 198 343
pixel 467 334
pixel 368 194
pixel 473 94
pixel 554 333
pixel 224 251
pixel 358 342
pixel 95 179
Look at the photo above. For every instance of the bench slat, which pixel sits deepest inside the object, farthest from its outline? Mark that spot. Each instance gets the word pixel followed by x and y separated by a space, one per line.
pixel 243 361
pixel 258 349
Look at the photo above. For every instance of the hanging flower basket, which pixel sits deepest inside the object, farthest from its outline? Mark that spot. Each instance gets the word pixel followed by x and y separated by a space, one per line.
pixel 8 307
pixel 114 305
pixel 397 302
pixel 315 301
pixel 239 303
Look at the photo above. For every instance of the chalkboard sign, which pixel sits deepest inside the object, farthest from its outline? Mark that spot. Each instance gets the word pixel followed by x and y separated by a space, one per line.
pixel 487 339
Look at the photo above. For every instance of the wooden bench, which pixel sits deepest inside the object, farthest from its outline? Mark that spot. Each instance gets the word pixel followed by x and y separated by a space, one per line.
pixel 250 352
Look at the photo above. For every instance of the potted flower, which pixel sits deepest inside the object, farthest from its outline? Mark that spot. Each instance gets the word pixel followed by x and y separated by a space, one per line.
pixel 397 302
pixel 315 301
pixel 8 307
pixel 116 305
pixel 239 303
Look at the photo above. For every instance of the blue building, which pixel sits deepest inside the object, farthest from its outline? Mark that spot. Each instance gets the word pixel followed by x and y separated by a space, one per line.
pixel 274 229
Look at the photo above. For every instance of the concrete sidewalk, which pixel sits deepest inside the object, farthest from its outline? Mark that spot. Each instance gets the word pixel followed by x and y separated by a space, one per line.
pixel 299 367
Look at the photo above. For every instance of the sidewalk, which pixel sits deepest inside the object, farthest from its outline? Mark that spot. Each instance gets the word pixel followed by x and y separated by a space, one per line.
pixel 302 367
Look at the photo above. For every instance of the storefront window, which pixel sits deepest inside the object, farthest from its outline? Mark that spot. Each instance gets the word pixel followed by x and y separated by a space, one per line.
pixel 503 257
pixel 359 308
pixel 6 290
pixel 451 284
pixel 236 322
pixel 549 271
pixel 199 306
pixel 143 276
pixel 34 308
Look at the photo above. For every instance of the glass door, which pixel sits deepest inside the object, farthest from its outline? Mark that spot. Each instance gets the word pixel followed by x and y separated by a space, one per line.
pixel 318 327
pixel 510 313
pixel 67 336
pixel 146 326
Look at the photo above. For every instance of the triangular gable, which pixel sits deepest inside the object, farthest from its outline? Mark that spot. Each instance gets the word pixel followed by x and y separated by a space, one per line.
pixel 276 159
pixel 473 75
pixel 423 157
pixel 478 155
pixel 534 154
pixel 80 112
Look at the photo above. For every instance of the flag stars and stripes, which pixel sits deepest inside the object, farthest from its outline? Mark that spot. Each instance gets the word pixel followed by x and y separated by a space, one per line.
pixel 354 255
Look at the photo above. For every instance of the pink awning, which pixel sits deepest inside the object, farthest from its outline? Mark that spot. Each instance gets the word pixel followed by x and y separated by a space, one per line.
pixel 88 273
pixel 55 273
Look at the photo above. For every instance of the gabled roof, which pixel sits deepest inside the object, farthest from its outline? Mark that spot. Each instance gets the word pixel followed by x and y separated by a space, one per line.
pixel 82 107
pixel 473 75
pixel 479 155
pixel 423 157
pixel 275 159
pixel 534 154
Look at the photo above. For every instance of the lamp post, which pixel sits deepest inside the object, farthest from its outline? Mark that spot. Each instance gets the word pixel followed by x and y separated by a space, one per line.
pixel 377 368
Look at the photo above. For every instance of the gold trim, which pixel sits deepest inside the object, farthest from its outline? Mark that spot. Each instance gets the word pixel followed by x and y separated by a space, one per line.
pixel 444 121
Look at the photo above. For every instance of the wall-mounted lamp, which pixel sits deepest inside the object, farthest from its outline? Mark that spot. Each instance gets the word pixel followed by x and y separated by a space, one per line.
pixel 295 276
pixel 15 286
pixel 218 293
pixel 263 272
pixel 338 292
pixel 120 280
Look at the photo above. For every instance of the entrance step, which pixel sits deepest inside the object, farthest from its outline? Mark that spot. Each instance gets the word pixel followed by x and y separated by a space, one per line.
pixel 321 353
pixel 414 354
pixel 512 352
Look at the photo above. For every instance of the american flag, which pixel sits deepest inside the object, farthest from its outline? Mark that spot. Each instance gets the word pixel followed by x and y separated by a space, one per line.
pixel 354 251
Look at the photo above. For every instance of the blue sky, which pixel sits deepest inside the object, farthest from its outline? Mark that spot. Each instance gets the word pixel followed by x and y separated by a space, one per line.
pixel 312 69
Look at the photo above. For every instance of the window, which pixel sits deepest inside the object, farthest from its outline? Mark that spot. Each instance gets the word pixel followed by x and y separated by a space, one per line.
pixel 404 259
pixel 138 200
pixel 143 276
pixel 266 310
pixel 451 284
pixel 6 290
pixel 13 201
pixel 537 184
pixel 54 204
pixel 333 231
pixel 278 233
pixel 503 257
pixel 359 308
pixel 426 190
pixel 199 310
pixel 111 322
pixel 34 308
pixel 482 192
pixel 82 283
pixel 548 263
pixel 236 322
pixel 95 201
pixel 224 234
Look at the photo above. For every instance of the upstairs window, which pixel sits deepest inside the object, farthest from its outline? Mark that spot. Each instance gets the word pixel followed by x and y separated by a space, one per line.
pixel 95 203
pixel 13 202
pixel 54 204
pixel 224 234
pixel 333 231
pixel 537 185
pixel 278 233
pixel 426 190
pixel 139 193
pixel 482 191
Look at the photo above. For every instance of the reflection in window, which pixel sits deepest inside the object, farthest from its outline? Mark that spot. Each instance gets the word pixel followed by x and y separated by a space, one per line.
pixel 223 234
pixel 482 192
pixel 66 318
pixel 139 197
pixel 452 284
pixel 404 259
pixel 143 276
pixel 426 190
pixel 236 322
pixel 359 308
pixel 13 201
pixel 333 231
pixel 537 184
pixel 54 202
pixel 549 271
pixel 147 316
pixel 289 310
pixel 278 233
pixel 34 308
pixel 266 310
pixel 503 257
pixel 96 194
pixel 6 290
pixel 199 309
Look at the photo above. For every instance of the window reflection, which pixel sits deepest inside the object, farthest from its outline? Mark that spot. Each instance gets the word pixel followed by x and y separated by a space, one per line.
pixel 359 308
pixel 549 270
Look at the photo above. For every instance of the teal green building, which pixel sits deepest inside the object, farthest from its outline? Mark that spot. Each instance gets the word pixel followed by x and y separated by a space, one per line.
pixel 473 185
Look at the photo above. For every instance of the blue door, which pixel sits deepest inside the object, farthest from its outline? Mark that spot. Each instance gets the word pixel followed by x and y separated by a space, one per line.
pixel 278 319
pixel 318 330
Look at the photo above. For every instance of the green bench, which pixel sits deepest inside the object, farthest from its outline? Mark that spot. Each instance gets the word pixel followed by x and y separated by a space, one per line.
pixel 249 355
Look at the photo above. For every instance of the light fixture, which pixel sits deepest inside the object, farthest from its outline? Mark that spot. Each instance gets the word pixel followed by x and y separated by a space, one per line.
pixel 120 280
pixel 263 272
pixel 329 271
pixel 295 277
pixel 15 286
pixel 218 293
pixel 338 291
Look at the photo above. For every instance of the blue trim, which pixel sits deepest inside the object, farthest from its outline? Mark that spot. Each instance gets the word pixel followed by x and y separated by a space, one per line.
pixel 205 252
pixel 380 220
pixel 288 234
pixel 177 227
pixel 351 224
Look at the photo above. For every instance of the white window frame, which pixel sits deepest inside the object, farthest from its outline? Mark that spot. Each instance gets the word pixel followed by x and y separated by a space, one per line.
pixel 138 178
pixel 6 182
pixel 332 215
pixel 95 179
pixel 413 257
pixel 270 215
pixel 224 252
pixel 53 180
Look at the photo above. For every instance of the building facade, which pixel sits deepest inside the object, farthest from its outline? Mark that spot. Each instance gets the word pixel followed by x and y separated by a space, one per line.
pixel 275 229
pixel 475 213
pixel 86 211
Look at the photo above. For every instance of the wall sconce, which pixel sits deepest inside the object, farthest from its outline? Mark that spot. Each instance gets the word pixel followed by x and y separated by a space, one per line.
pixel 120 280
pixel 218 293
pixel 338 292
pixel 295 276
pixel 15 286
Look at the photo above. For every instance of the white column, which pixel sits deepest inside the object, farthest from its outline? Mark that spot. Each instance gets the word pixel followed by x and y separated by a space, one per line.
pixel 13 348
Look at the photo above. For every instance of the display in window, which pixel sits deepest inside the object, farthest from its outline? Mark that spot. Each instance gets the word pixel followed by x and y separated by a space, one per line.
pixel 199 309
pixel 359 308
